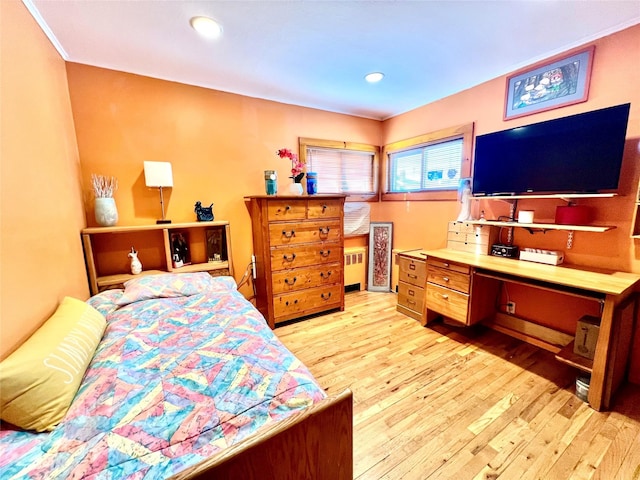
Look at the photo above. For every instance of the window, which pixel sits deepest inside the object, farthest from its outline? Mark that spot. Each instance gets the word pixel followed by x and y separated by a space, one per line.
pixel 342 167
pixel 428 167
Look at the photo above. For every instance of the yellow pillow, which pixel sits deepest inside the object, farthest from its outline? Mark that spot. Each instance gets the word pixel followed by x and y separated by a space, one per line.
pixel 39 380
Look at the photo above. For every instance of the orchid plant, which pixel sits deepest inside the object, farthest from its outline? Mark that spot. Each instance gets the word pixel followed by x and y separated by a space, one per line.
pixel 297 167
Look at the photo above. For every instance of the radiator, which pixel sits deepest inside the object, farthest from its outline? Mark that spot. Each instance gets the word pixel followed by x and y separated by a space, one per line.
pixel 355 268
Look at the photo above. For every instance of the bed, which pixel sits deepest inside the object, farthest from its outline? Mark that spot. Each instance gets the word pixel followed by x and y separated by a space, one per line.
pixel 186 381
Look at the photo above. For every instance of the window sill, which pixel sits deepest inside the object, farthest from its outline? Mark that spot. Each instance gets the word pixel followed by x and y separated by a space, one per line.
pixel 420 196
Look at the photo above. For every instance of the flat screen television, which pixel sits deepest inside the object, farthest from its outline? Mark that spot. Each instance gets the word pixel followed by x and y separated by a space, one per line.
pixel 576 154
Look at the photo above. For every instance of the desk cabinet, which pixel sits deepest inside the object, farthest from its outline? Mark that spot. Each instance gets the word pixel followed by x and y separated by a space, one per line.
pixel 449 288
pixel 298 244
pixel 411 283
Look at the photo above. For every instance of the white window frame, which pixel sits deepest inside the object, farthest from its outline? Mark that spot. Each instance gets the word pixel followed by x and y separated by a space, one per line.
pixel 307 144
pixel 464 132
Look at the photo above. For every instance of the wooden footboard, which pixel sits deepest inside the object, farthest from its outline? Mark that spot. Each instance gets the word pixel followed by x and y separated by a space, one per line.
pixel 316 444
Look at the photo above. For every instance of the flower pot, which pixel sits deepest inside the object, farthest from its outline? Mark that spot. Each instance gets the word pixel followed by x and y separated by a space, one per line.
pixel 295 189
pixel 106 211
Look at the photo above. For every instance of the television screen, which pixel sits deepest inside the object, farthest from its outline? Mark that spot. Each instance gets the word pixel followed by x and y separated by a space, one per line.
pixel 577 154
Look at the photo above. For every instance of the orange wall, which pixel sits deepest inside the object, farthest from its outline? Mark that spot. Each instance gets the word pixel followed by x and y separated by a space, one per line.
pixel 615 80
pixel 41 207
pixel 219 145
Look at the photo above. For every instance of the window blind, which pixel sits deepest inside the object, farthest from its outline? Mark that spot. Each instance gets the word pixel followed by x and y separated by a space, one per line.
pixel 342 171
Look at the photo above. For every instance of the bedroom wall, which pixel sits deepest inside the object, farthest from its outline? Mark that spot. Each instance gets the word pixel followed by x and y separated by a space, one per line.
pixel 40 201
pixel 615 80
pixel 219 145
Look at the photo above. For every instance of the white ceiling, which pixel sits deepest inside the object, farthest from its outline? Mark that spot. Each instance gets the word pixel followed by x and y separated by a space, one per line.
pixel 315 53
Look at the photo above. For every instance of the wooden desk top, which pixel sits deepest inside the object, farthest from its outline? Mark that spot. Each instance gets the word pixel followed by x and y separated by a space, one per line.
pixel 596 280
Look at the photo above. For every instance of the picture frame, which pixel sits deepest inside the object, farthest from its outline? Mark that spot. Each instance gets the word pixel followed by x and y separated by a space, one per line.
pixel 180 253
pixel 554 83
pixel 216 245
pixel 380 245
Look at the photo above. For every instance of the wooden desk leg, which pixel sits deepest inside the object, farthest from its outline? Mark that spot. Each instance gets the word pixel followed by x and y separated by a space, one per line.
pixel 598 398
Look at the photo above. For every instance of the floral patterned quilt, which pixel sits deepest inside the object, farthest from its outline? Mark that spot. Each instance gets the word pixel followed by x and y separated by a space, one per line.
pixel 175 380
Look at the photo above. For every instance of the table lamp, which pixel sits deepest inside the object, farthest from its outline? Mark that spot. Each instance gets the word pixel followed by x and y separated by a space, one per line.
pixel 159 174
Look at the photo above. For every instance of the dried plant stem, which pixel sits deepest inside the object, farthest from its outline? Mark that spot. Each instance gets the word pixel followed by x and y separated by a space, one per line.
pixel 103 187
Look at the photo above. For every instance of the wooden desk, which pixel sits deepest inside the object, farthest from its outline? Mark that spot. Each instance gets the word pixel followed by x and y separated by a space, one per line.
pixel 615 291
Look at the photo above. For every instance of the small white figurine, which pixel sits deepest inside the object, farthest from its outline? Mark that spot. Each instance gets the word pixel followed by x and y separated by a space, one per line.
pixel 136 265
pixel 464 195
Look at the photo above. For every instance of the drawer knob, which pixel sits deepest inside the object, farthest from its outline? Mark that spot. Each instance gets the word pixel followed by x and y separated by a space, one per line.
pixel 290 282
pixel 412 293
pixel 412 266
pixel 290 234
pixel 324 207
pixel 326 297
pixel 445 296
pixel 287 303
pixel 324 230
pixel 328 274
pixel 287 207
pixel 412 276
pixel 325 253
pixel 289 258
pixel 411 302
pixel 446 264
pixel 446 279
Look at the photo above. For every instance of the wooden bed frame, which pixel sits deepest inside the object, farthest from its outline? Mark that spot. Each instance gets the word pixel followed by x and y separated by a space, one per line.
pixel 316 444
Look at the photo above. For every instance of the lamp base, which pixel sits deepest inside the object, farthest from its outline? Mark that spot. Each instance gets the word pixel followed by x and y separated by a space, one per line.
pixel 162 221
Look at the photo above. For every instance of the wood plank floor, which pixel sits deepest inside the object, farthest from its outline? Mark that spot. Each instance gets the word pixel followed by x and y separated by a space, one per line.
pixel 451 403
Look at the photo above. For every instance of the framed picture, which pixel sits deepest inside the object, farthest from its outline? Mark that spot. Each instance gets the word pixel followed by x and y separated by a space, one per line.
pixel 380 244
pixel 180 254
pixel 552 84
pixel 216 245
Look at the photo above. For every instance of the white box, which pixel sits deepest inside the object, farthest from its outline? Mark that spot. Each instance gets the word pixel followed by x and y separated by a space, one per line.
pixel 550 257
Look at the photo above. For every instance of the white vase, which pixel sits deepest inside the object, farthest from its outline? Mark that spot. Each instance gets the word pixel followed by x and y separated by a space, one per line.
pixel 106 212
pixel 295 189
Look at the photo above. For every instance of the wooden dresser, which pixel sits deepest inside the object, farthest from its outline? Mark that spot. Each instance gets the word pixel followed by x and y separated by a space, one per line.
pixel 298 243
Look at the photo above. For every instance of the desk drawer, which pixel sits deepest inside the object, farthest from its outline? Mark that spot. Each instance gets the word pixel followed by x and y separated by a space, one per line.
pixel 412 271
pixel 447 302
pixel 411 297
pixel 293 209
pixel 449 279
pixel 456 267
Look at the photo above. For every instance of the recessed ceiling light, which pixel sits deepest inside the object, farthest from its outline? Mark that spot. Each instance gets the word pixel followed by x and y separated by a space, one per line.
pixel 207 27
pixel 374 77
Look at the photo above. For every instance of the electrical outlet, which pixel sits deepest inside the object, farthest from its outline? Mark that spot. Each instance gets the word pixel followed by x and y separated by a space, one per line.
pixel 511 307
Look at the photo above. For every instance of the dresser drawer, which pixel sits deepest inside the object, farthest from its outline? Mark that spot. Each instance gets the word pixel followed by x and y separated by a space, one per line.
pixel 283 258
pixel 300 278
pixel 449 279
pixel 291 305
pixel 453 266
pixel 447 302
pixel 410 296
pixel 286 210
pixel 412 271
pixel 294 233
pixel 319 208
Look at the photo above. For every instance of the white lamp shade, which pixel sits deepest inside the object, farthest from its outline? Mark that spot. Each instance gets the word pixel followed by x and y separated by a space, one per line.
pixel 158 174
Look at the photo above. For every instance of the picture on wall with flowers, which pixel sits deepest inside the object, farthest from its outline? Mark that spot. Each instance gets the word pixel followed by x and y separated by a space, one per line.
pixel 554 83
pixel 380 244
